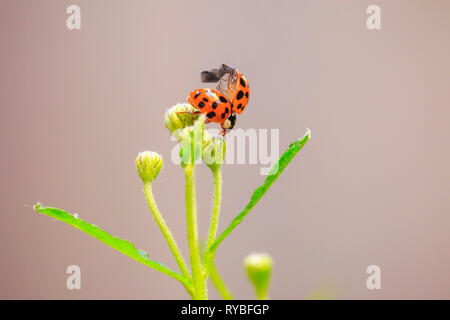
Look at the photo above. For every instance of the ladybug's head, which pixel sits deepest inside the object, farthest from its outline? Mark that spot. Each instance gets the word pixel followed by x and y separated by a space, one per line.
pixel 230 121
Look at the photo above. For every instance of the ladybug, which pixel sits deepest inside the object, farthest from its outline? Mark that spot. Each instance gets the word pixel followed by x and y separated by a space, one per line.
pixel 230 97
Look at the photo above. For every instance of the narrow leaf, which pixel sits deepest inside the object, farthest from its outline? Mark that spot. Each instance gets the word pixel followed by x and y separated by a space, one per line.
pixel 120 245
pixel 274 173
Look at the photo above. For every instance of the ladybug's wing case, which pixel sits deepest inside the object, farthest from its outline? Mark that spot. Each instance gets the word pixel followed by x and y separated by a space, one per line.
pixel 231 83
pixel 241 94
pixel 212 103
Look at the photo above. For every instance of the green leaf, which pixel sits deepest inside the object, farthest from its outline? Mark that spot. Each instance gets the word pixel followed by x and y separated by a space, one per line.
pixel 274 173
pixel 120 245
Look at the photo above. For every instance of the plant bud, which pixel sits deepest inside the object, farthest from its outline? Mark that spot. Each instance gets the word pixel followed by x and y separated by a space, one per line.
pixel 179 117
pixel 259 269
pixel 149 164
pixel 214 151
pixel 192 141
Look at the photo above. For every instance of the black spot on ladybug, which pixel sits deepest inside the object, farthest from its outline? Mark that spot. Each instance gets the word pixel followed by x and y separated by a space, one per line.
pixel 205 99
pixel 212 114
pixel 223 99
pixel 242 82
pixel 197 94
pixel 215 104
pixel 227 110
pixel 239 105
pixel 246 94
pixel 201 104
pixel 223 115
pixel 240 95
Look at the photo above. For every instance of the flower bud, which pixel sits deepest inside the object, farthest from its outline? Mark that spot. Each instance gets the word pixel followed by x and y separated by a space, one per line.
pixel 259 269
pixel 179 117
pixel 214 151
pixel 149 164
pixel 192 141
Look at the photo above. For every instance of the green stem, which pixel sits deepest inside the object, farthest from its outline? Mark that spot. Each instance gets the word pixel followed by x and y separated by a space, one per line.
pixel 261 295
pixel 210 266
pixel 215 213
pixel 165 230
pixel 198 277
pixel 219 283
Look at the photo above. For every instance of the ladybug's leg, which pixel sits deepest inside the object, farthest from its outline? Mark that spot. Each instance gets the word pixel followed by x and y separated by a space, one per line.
pixel 207 121
pixel 223 132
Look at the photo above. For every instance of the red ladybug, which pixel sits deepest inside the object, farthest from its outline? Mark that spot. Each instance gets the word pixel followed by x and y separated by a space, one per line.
pixel 230 98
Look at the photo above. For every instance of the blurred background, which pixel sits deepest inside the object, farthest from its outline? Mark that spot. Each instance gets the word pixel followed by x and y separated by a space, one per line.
pixel 371 187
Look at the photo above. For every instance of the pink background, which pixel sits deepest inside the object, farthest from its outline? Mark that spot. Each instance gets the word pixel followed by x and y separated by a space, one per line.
pixel 371 187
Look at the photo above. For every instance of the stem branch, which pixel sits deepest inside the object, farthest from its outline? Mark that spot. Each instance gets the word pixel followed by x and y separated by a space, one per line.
pixel 165 230
pixel 192 234
pixel 215 213
pixel 218 282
